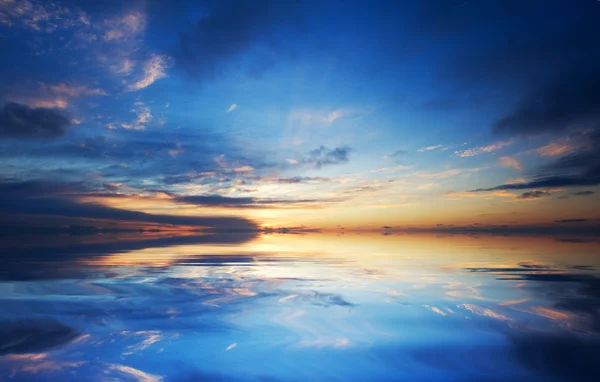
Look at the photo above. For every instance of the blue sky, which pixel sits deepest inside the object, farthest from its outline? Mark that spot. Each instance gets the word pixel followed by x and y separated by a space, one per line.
pixel 301 113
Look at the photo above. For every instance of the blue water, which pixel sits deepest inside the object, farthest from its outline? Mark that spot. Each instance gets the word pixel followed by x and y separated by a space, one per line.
pixel 312 307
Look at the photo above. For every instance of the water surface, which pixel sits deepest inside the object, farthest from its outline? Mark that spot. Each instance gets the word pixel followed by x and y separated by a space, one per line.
pixel 282 307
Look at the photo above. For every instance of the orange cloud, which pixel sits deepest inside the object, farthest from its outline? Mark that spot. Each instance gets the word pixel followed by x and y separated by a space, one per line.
pixel 511 162
pixel 553 149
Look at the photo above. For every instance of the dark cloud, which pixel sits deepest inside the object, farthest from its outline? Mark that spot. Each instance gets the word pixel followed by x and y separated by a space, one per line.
pixel 242 202
pixel 398 153
pixel 571 101
pixel 591 229
pixel 33 335
pixel 571 221
pixel 550 68
pixel 228 30
pixel 577 169
pixel 562 354
pixel 36 188
pixel 501 47
pixel 167 157
pixel 533 194
pixel 37 202
pixel 301 179
pixel 512 46
pixel 323 299
pixel 71 208
pixel 559 357
pixel 22 122
pixel 582 193
pixel 324 156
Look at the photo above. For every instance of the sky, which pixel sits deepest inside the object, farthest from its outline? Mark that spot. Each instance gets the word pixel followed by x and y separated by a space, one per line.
pixel 308 114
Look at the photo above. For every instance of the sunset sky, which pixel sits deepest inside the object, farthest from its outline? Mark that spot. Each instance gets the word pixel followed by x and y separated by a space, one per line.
pixel 314 114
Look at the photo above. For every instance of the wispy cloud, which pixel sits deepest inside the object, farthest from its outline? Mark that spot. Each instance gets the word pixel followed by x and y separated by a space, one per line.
pixel 232 108
pixel 431 148
pixel 154 69
pixel 319 116
pixel 58 96
pixel 125 27
pixel 40 16
pixel 75 90
pixel 143 115
pixel 484 149
pixel 134 373
pixel 124 67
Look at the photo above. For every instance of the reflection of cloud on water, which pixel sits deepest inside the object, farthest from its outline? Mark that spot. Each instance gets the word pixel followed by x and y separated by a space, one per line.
pixel 484 312
pixel 573 293
pixel 37 363
pixel 335 343
pixel 132 373
pixel 150 337
pixel 233 306
pixel 514 302
pixel 439 311
pixel 32 335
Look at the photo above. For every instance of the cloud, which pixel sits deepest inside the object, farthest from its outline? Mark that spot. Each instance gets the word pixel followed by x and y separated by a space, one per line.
pixel 245 202
pixel 299 179
pixel 232 108
pixel 143 117
pixel 481 150
pixel 554 65
pixel 554 149
pixel 57 96
pixel 396 154
pixel 243 169
pixel 33 335
pixel 22 122
pixel 431 148
pixel 324 117
pixel 578 168
pixel 571 221
pixel 124 67
pixel 153 69
pixel 40 16
pixel 48 103
pixel 227 30
pixel 511 162
pixel 125 27
pixel 572 101
pixel 582 193
pixel 551 68
pixel 533 194
pixel 324 156
pixel 37 188
pixel 75 90
pixel 58 202
pixel 130 372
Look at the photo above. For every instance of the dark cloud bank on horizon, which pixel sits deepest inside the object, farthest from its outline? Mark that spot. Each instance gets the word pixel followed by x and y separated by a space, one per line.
pixel 55 199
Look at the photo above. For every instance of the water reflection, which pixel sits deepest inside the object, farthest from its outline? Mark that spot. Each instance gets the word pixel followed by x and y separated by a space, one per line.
pixel 278 307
